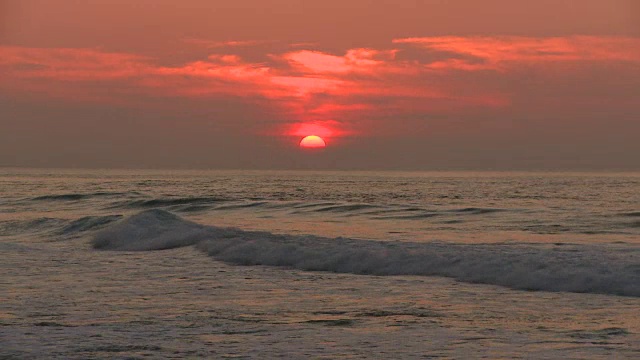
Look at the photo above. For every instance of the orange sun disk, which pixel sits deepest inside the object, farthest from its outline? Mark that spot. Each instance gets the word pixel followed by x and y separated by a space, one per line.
pixel 312 142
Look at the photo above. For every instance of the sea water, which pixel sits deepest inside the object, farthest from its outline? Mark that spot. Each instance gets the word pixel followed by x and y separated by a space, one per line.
pixel 249 264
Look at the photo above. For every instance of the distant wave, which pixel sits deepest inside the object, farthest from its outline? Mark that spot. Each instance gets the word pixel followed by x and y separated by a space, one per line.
pixel 31 226
pixel 55 226
pixel 87 223
pixel 242 205
pixel 61 197
pixel 74 197
pixel 312 204
pixel 477 211
pixel 574 268
pixel 344 208
pixel 188 204
pixel 160 202
pixel 532 219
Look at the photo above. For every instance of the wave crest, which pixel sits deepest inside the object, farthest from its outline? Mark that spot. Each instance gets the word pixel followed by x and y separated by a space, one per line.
pixel 149 230
pixel 574 268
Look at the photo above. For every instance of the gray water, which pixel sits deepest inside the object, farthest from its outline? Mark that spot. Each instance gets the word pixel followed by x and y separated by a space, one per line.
pixel 319 264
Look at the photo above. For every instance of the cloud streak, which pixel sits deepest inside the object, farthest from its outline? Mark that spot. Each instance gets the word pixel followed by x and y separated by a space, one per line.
pixel 492 52
pixel 210 44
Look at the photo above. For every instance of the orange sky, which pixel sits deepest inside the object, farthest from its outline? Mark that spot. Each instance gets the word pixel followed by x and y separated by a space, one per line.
pixel 390 84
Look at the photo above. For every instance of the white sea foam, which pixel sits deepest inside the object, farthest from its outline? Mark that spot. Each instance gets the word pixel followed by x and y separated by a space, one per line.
pixel 573 268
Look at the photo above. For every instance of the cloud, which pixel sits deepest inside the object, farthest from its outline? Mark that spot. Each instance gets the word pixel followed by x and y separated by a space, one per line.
pixel 419 78
pixel 492 52
pixel 211 44
pixel 70 64
pixel 355 60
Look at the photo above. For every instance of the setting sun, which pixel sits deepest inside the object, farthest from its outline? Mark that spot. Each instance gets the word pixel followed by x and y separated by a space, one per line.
pixel 312 142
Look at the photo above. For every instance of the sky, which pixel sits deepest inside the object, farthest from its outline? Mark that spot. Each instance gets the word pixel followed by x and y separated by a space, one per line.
pixel 388 84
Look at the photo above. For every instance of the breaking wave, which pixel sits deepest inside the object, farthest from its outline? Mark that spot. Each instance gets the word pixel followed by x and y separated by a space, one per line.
pixel 572 268
pixel 151 230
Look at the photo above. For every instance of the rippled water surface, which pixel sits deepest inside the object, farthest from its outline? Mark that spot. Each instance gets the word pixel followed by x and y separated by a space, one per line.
pixel 319 264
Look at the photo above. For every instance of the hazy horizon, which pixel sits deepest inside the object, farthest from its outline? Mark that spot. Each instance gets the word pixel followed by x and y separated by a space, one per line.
pixel 390 85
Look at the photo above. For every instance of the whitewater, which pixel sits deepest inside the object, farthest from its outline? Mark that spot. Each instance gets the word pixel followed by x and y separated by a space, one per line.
pixel 256 264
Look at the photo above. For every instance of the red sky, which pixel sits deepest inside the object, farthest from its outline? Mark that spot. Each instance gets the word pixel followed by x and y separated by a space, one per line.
pixel 433 84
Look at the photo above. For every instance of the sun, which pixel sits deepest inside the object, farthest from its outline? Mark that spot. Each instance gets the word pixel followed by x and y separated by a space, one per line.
pixel 312 142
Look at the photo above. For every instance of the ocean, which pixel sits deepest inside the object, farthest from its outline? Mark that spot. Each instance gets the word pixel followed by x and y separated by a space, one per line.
pixel 304 264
